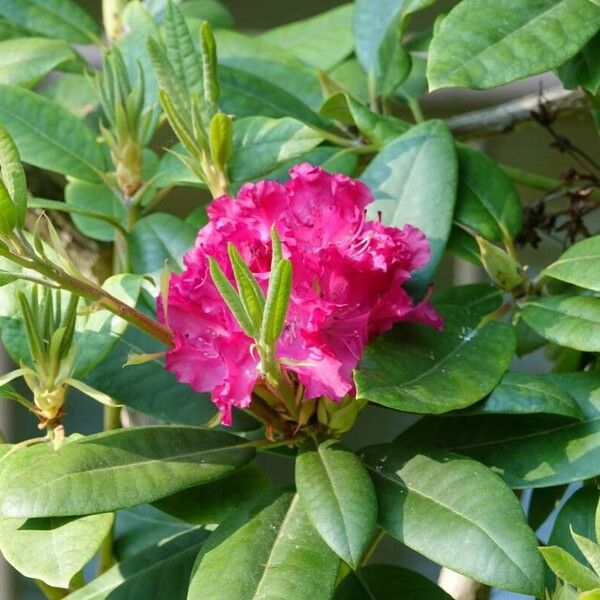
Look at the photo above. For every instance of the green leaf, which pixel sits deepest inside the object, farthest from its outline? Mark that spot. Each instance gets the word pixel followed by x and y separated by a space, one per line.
pixel 95 197
pixel 163 566
pixel 415 368
pixel 8 211
pixel 373 19
pixel 213 11
pixel 25 61
pixel 142 526
pixel 52 549
pixel 278 300
pixel 583 69
pixel 394 62
pixel 591 595
pixel 457 513
pixel 246 95
pixel 527 393
pixel 254 56
pixel 388 582
pixel 62 19
pixel 479 299
pixel 527 451
pixel 419 164
pixel 338 498
pixel 213 502
pixel 250 293
pixel 116 469
pixel 568 569
pixel 272 550
pixel 322 41
pixel 543 502
pixel 576 514
pixel 96 335
pixel 158 238
pixel 578 265
pixel 571 321
pixel 49 136
pixel 589 549
pixel 485 43
pixel 487 201
pixel 181 51
pixel 13 175
pixel 73 92
pixel 260 144
pixel 379 129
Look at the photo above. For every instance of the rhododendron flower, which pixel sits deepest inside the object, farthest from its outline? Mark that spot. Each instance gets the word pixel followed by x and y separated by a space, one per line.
pixel 347 282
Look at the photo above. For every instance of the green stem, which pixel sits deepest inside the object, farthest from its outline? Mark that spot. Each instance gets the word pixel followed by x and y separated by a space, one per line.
pixel 51 593
pixel 415 109
pixel 373 546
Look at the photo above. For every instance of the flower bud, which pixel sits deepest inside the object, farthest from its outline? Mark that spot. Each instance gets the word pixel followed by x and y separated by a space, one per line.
pixel 500 266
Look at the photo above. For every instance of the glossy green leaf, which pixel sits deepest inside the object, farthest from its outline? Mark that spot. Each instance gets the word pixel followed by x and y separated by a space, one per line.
pixel 527 393
pixel 571 321
pixel 338 497
pixel 52 549
pixel 260 144
pixel 388 582
pixel 579 265
pixel 277 302
pixel 589 549
pixel 98 198
pixel 49 136
pixel 351 77
pixel 576 515
pixel 272 550
pixel 73 92
pixel 321 41
pixel 246 95
pixel 213 502
pixel 583 69
pixel 394 62
pixel 479 299
pixel 568 569
pixel 373 19
pixel 415 368
pixel 420 164
pixel 24 61
pixel 13 175
pixel 485 43
pixel 163 567
pixel 158 238
pixel 63 19
pixel 216 13
pixel 142 526
pixel 591 595
pixel 487 201
pixel 527 451
pixel 257 57
pixel 457 513
pixel 116 469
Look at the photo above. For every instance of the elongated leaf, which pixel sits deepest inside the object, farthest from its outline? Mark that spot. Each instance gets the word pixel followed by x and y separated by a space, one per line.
pixel 418 369
pixel 321 41
pixel 142 526
pixel 387 582
pixel 160 571
pixel 568 569
pixel 526 393
pixel 478 299
pixel 13 175
pixel 542 504
pixel 257 57
pixel 487 200
pixel 272 549
pixel 527 451
pixel 589 549
pixel 485 43
pixel 25 61
pixel 576 515
pixel 63 19
pixel 49 136
pixel 420 164
pixel 583 69
pixel 278 299
pixel 158 238
pixel 249 291
pixel 213 502
pixel 83 195
pixel 246 95
pixel 456 512
pixel 338 498
pixel 571 321
pixel 579 265
pixel 116 469
pixel 52 549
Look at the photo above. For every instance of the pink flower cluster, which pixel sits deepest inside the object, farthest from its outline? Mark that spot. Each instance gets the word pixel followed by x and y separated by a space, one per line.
pixel 346 286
